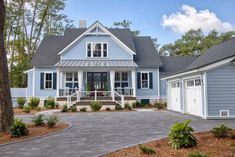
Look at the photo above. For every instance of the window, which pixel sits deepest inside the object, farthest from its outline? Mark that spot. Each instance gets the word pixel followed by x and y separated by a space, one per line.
pixel 121 79
pixel 194 82
pixel 190 83
pixel 198 82
pixel 71 80
pixel 97 50
pixel 48 81
pixel 175 84
pixel 144 80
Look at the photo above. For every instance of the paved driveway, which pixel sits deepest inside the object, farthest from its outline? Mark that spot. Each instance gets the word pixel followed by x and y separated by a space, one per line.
pixel 94 134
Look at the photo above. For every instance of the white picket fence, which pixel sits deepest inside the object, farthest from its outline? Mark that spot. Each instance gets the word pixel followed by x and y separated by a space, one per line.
pixel 16 93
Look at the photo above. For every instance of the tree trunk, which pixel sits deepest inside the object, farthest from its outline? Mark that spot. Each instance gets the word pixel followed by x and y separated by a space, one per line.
pixel 6 110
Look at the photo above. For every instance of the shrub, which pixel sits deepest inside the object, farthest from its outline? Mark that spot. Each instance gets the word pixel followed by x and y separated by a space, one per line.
pixel 134 104
pixel 108 109
pixel 50 102
pixel 95 106
pixel 232 136
pixel 74 108
pixel 52 120
pixel 221 131
pixel 84 109
pixel 21 101
pixel 38 120
pixel 37 108
pixel 128 106
pixel 158 105
pixel 57 105
pixel 197 154
pixel 145 149
pixel 27 109
pixel 64 108
pixel 118 107
pixel 18 128
pixel 180 135
pixel 33 102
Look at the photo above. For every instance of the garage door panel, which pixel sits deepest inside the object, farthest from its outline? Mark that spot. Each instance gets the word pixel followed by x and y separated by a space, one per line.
pixel 175 96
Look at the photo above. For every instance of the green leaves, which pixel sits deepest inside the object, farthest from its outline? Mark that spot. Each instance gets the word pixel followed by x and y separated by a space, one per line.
pixel 180 135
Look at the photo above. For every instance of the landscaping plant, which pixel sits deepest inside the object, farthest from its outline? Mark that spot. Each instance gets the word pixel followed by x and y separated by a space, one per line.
pixel 180 135
pixel 108 109
pixel 158 105
pixel 146 150
pixel 134 104
pixel 64 108
pixel 27 109
pixel 50 102
pixel 74 108
pixel 128 106
pixel 84 109
pixel 21 101
pixel 38 120
pixel 95 106
pixel 221 132
pixel 118 107
pixel 18 128
pixel 197 154
pixel 57 105
pixel 33 102
pixel 52 120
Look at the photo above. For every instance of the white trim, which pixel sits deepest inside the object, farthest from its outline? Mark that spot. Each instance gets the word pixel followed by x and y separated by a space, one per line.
pixel 220 113
pixel 98 24
pixel 144 72
pixel 205 94
pixel 44 83
pixel 102 50
pixel 57 82
pixel 205 68
pixel 158 82
pixel 34 77
pixel 27 71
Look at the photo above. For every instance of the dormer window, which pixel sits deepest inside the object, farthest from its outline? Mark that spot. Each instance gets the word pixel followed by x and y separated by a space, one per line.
pixel 97 50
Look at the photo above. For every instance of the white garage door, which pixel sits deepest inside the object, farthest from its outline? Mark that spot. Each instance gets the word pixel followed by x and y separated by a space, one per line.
pixel 193 96
pixel 175 102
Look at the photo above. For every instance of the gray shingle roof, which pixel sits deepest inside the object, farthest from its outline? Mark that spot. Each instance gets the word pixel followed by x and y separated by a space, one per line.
pixel 146 53
pixel 214 54
pixel 47 52
pixel 174 64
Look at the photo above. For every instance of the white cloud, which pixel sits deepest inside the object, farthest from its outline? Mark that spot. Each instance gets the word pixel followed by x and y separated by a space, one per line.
pixel 190 18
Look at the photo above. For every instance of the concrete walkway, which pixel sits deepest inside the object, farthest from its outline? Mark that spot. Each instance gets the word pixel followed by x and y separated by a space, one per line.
pixel 94 134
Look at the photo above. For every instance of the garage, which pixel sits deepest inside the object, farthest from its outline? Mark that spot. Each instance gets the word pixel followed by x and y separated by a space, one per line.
pixel 193 96
pixel 174 91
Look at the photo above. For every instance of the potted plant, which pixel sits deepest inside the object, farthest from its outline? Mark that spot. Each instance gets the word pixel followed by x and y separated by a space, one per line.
pixel 88 89
pixel 106 88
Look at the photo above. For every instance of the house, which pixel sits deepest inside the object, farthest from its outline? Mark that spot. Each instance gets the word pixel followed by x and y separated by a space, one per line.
pixel 95 64
pixel 206 86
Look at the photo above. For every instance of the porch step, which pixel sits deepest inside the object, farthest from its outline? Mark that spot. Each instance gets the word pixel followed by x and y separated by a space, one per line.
pixel 98 98
pixel 103 103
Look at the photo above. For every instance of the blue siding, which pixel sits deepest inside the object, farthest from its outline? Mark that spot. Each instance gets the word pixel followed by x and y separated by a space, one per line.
pixel 163 86
pixel 221 90
pixel 79 50
pixel 38 91
pixel 149 93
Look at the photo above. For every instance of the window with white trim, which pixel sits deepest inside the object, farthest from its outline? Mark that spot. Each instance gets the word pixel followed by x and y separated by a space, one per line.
pixel 71 80
pixel 145 80
pixel 48 81
pixel 121 79
pixel 97 50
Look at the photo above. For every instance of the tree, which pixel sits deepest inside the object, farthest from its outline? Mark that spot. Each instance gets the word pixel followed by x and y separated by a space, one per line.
pixel 194 42
pixel 126 24
pixel 6 110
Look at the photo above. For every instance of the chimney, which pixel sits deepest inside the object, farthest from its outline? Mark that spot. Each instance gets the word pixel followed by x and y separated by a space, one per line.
pixel 82 24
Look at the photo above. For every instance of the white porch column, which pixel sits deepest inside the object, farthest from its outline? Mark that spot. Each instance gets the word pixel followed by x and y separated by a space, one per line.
pixel 112 77
pixel 58 82
pixel 80 80
pixel 133 80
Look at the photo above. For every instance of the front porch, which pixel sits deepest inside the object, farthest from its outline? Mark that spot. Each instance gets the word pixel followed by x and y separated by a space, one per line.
pixel 100 83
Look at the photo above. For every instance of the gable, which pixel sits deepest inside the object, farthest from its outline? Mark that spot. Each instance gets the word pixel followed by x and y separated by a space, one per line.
pixel 79 50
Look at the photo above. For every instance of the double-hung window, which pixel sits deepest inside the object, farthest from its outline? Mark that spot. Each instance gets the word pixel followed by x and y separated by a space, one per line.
pixel 97 50
pixel 71 80
pixel 145 80
pixel 121 79
pixel 48 81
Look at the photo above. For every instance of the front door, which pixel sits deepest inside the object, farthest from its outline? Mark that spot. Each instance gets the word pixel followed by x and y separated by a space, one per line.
pixel 97 80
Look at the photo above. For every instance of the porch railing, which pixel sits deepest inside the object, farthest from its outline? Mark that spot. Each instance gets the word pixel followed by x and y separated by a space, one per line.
pixel 63 92
pixel 127 91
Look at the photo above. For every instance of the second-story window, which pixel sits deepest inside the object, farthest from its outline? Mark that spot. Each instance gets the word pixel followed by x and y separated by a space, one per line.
pixel 97 50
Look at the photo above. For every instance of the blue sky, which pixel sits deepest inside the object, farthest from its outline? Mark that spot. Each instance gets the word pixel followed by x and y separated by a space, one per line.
pixel 147 15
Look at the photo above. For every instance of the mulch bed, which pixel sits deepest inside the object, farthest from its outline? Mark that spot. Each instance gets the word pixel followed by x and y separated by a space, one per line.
pixel 18 111
pixel 207 144
pixel 33 132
